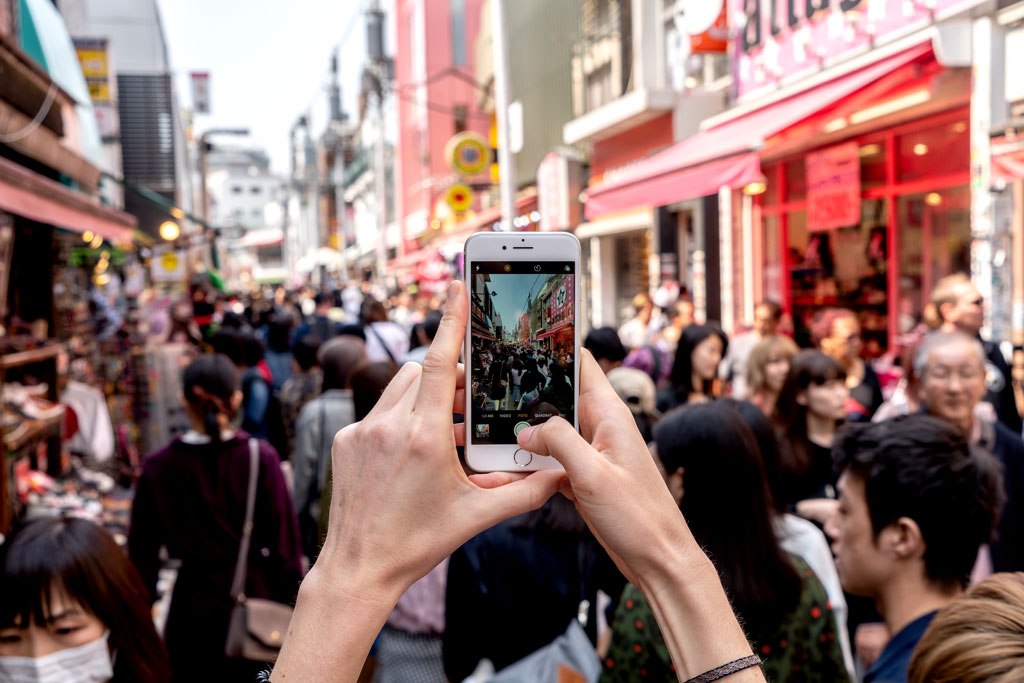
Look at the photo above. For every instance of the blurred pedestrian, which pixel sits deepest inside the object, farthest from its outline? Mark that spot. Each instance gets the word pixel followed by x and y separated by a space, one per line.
pixel 961 308
pixel 951 367
pixel 279 350
pixel 916 504
pixel 319 324
pixel 695 367
pixel 606 347
pixel 422 334
pixel 726 502
pixel 73 608
pixel 636 389
pixel 767 316
pixel 808 412
pixel 634 332
pixel 191 499
pixel 976 638
pixel 837 333
pixel 767 369
pixel 319 420
pixel 385 340
pixel 302 387
pixel 679 315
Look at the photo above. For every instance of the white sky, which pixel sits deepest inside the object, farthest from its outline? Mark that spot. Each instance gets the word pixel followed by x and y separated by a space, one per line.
pixel 268 62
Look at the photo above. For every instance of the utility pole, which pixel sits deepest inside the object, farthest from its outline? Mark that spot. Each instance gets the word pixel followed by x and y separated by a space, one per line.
pixel 338 139
pixel 203 196
pixel 378 73
pixel 507 172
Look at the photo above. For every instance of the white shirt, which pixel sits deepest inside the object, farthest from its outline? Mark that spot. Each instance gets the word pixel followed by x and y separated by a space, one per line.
pixel 393 335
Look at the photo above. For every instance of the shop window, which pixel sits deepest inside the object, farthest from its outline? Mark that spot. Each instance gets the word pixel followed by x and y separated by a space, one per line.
pixel 796 180
pixel 935 241
pixel 771 193
pixel 843 268
pixel 773 281
pixel 872 164
pixel 934 151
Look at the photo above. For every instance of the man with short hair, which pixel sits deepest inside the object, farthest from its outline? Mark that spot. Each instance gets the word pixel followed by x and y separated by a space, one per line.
pixel 915 504
pixel 319 324
pixel 606 347
pixel 961 308
pixel 951 371
pixel 767 316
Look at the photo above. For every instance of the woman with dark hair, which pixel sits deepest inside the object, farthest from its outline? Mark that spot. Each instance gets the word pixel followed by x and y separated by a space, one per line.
pixel 71 596
pixel 728 507
pixel 809 409
pixel 558 392
pixel 191 499
pixel 796 535
pixel 279 350
pixel 531 383
pixel 695 368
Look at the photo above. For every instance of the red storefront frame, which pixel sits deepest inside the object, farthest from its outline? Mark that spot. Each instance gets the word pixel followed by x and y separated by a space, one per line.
pixel 890 191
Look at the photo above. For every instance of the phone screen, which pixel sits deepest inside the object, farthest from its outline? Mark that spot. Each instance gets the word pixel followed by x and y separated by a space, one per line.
pixel 523 335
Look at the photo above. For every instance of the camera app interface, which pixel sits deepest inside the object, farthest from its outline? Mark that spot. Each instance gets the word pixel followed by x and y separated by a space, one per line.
pixel 523 345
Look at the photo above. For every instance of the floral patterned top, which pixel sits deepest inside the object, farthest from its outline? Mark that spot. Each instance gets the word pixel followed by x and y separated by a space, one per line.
pixel 804 648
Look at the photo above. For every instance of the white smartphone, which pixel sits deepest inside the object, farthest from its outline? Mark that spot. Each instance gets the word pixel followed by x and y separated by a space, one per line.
pixel 522 343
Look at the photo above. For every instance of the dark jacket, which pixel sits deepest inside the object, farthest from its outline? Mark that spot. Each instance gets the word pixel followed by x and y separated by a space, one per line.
pixel 191 499
pixel 1008 548
pixel 1000 388
pixel 516 587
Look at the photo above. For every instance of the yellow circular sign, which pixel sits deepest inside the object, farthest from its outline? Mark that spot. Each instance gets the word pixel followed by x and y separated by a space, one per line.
pixel 467 153
pixel 459 197
pixel 169 261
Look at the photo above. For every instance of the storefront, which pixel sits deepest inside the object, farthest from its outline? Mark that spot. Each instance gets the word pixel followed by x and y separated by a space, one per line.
pixel 558 336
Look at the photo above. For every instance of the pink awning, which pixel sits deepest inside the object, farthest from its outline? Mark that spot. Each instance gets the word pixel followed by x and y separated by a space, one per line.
pixel 29 194
pixel 1008 167
pixel 725 155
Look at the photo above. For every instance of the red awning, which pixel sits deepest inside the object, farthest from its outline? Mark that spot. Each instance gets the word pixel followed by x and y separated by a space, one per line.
pixel 29 194
pixel 1009 166
pixel 725 155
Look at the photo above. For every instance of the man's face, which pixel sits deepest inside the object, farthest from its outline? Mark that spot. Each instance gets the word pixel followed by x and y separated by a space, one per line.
pixel 684 318
pixel 968 312
pixel 863 568
pixel 764 324
pixel 844 344
pixel 953 382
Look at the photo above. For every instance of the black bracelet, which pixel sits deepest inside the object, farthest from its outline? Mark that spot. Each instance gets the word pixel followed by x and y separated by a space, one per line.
pixel 727 669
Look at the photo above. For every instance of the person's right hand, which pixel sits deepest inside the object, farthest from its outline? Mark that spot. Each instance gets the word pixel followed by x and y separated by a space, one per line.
pixel 613 478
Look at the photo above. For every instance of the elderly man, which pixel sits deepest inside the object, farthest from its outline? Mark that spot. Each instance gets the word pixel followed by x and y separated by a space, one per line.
pixel 951 366
pixel 961 308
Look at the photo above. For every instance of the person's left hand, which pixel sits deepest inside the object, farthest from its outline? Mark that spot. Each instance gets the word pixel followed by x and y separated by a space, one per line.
pixel 401 500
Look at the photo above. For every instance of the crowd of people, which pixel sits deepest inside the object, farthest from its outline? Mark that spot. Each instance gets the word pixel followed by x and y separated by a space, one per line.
pixel 731 507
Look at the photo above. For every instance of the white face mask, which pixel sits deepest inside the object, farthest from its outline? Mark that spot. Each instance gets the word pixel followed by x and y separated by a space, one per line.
pixel 89 663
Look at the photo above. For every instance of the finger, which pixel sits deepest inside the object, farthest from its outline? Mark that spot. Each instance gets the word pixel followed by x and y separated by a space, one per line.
pixel 491 480
pixel 493 505
pixel 396 389
pixel 459 404
pixel 437 384
pixel 558 439
pixel 459 429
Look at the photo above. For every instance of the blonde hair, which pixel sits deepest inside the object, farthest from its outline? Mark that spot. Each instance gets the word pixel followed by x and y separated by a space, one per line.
pixel 978 638
pixel 767 349
pixel 945 292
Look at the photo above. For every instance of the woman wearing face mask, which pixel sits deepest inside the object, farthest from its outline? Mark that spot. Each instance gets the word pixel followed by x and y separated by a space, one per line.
pixel 811 406
pixel 767 369
pixel 191 499
pixel 73 609
pixel 695 368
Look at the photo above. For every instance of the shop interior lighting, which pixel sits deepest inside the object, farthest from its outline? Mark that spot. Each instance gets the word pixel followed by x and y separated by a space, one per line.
pixel 87 236
pixel 958 127
pixel 177 213
pixel 834 126
pixel 870 150
pixel 933 199
pixel 911 99
pixel 759 186
pixel 97 242
pixel 101 279
pixel 170 231
pixel 920 149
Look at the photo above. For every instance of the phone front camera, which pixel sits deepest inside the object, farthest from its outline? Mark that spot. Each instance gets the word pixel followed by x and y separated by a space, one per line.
pixel 504 246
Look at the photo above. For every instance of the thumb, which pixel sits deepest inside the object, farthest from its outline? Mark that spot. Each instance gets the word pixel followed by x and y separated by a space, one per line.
pixel 558 439
pixel 493 505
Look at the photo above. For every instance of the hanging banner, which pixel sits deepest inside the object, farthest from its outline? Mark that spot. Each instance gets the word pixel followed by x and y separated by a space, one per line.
pixel 833 187
pixel 92 55
pixel 200 92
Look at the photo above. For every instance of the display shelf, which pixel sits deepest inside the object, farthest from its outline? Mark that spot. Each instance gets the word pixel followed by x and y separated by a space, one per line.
pixel 19 358
pixel 35 429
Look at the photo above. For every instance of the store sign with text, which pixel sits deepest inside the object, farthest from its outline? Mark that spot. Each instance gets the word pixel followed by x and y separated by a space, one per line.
pixel 561 308
pixel 833 187
pixel 779 40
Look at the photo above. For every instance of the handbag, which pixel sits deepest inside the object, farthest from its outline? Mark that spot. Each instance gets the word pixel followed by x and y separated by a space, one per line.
pixel 258 626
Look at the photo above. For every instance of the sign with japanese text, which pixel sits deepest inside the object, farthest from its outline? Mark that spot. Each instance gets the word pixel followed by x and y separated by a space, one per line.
pixel 833 187
pixel 561 310
pixel 200 92
pixel 778 41
pixel 92 55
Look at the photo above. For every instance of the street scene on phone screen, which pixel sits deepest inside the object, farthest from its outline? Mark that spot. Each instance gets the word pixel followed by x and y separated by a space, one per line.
pixel 523 335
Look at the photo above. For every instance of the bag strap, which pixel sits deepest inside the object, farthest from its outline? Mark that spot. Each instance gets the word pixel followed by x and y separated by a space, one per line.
pixel 387 350
pixel 238 583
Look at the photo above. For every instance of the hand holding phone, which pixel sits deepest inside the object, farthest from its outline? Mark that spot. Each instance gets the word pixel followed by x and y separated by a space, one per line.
pixel 522 343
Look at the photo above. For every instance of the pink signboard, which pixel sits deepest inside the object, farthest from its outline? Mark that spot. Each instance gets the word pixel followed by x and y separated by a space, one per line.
pixel 833 187
pixel 777 41
pixel 561 308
